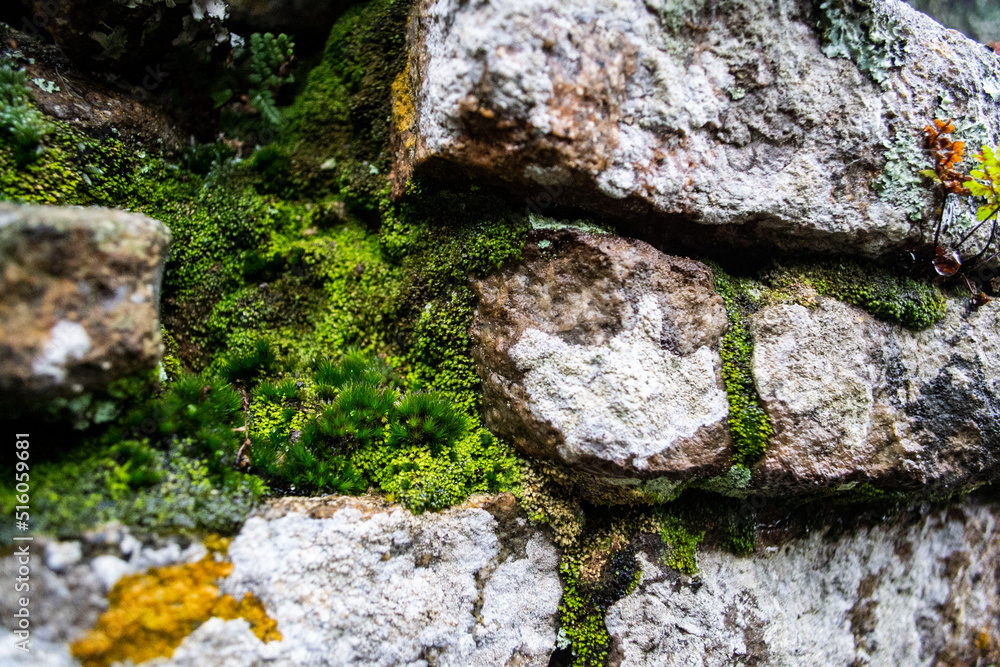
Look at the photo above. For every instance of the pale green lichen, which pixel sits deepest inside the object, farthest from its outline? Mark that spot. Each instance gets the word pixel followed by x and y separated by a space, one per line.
pixel 900 182
pixel 588 226
pixel 869 38
pixel 733 483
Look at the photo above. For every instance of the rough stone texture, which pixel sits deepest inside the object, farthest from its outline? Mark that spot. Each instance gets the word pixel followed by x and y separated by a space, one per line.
pixel 906 594
pixel 69 582
pixel 79 297
pixel 355 582
pixel 350 581
pixel 853 399
pixel 602 352
pixel 674 112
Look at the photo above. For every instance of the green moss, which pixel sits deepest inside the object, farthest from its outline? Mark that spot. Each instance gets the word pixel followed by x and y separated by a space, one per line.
pixel 580 619
pixel 139 485
pixel 680 543
pixel 749 425
pixel 339 125
pixel 355 430
pixel 21 124
pixel 734 483
pixel 883 293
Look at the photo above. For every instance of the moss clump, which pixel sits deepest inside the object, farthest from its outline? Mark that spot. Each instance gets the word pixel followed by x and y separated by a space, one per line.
pixel 339 125
pixel 356 428
pixel 150 614
pixel 680 543
pixel 166 465
pixel 749 425
pixel 597 572
pixel 139 486
pixel 601 568
pixel 883 293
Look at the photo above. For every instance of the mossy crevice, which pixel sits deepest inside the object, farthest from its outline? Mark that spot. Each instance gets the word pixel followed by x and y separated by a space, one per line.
pixel 749 424
pixel 883 293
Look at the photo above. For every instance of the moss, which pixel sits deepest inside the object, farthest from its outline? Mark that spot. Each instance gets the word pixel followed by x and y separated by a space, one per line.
pixel 544 495
pixel 139 485
pixel 21 124
pixel 339 125
pixel 741 538
pixel 580 619
pixel 149 614
pixel 749 424
pixel 735 483
pixel 883 293
pixel 355 429
pixel 680 543
pixel 597 571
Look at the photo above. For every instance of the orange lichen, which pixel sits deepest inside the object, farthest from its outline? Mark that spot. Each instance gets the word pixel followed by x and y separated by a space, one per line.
pixel 150 613
pixel 403 110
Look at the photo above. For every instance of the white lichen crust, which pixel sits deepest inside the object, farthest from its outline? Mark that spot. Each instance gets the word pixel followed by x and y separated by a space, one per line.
pixel 627 400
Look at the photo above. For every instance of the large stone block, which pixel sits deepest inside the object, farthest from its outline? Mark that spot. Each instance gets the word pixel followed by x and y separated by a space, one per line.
pixel 855 400
pixel 603 353
pixel 775 123
pixel 901 593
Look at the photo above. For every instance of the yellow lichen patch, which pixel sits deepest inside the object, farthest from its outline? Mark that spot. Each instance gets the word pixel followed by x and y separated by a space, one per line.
pixel 217 544
pixel 149 614
pixel 403 110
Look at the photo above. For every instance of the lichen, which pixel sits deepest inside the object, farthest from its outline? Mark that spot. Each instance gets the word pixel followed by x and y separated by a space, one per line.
pixel 872 39
pixel 149 614
pixel 900 183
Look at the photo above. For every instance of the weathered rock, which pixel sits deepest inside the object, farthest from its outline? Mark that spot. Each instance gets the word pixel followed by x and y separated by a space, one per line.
pixel 350 581
pixel 79 297
pixel 602 353
pixel 924 593
pixel 853 399
pixel 353 581
pixel 727 114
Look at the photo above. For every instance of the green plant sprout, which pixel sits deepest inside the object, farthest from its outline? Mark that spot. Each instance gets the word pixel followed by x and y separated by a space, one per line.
pixel 269 56
pixel 985 183
pixel 20 121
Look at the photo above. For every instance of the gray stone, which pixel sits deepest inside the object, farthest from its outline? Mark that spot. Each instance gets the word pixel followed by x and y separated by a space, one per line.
pixel 732 121
pixel 79 297
pixel 602 353
pixel 917 593
pixel 349 581
pixel 354 581
pixel 109 569
pixel 853 399
pixel 61 555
